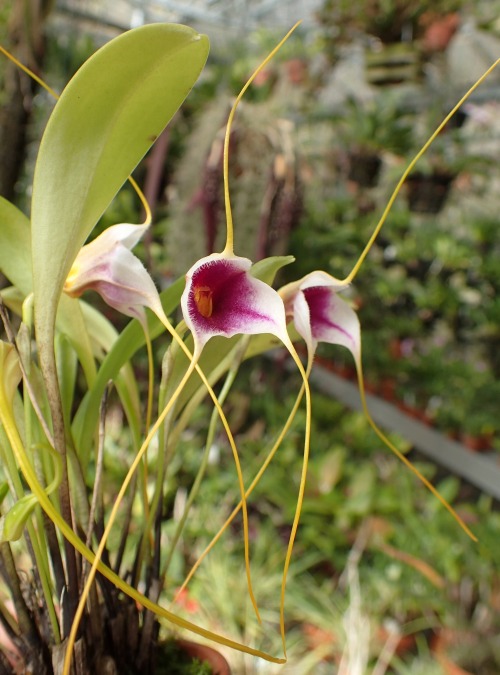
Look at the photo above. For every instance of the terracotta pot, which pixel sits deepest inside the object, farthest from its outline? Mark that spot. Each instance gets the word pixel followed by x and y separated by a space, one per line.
pixel 202 652
pixel 387 389
pixel 480 443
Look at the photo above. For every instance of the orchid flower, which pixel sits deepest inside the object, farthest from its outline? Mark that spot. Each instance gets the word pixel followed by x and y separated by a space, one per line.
pixel 320 315
pixel 222 298
pixel 108 266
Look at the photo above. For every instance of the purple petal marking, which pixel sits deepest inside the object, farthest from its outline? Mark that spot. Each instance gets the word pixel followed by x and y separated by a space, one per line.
pixel 323 305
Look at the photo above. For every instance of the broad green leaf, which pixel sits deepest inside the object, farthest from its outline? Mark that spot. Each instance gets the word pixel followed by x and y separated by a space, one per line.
pixel 106 119
pixel 15 247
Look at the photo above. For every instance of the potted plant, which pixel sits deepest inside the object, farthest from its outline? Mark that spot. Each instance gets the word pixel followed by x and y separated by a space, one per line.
pixel 370 129
pixel 393 30
pixel 55 429
pixel 88 498
pixel 449 157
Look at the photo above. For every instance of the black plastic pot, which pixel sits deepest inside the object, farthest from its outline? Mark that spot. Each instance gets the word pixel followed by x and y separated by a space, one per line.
pixel 364 168
pixel 427 193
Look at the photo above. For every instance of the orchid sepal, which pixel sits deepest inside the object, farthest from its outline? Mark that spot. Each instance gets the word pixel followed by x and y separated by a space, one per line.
pixel 108 266
pixel 320 314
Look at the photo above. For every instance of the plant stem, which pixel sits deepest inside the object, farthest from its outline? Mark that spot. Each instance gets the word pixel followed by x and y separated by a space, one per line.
pixel 27 626
pixel 226 388
pixel 49 371
pixel 161 464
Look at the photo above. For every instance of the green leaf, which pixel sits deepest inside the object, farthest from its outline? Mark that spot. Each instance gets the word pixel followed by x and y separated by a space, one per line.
pixel 15 247
pixel 13 299
pixel 108 116
pixel 4 491
pixel 71 322
pixel 103 336
pixel 10 371
pixel 266 269
pixel 13 523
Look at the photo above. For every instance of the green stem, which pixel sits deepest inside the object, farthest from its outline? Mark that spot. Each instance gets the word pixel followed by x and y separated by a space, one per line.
pixel 49 371
pixel 226 388
pixel 249 491
pixel 163 455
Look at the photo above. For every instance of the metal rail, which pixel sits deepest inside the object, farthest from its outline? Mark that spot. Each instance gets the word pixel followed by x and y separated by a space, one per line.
pixel 481 470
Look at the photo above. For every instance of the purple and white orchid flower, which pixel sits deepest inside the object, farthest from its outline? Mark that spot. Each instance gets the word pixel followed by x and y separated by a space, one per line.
pixel 108 266
pixel 222 298
pixel 320 315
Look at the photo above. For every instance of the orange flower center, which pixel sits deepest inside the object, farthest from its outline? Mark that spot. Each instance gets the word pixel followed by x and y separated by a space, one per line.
pixel 203 300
